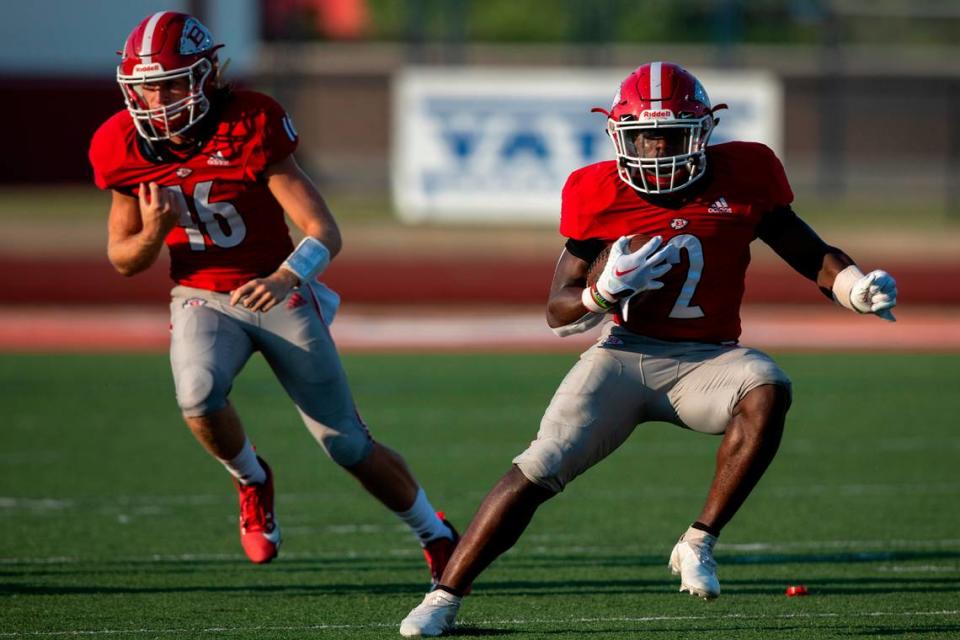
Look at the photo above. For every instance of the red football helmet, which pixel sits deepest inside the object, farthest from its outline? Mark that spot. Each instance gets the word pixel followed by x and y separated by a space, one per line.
pixel 167 46
pixel 660 122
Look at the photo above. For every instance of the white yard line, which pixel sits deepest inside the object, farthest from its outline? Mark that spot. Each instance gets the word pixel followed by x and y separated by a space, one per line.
pixel 486 623
pixel 863 548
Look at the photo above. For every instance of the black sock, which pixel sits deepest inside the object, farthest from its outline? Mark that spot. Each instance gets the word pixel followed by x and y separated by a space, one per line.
pixel 705 527
pixel 450 590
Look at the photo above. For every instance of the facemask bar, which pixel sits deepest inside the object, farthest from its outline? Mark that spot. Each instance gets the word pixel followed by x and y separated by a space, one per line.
pixel 154 123
pixel 660 175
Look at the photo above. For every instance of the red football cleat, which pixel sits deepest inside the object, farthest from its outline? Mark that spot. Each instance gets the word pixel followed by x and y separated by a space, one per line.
pixel 259 530
pixel 438 552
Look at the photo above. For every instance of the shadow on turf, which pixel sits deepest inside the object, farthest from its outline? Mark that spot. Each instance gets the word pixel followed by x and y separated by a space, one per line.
pixel 817 586
pixel 561 561
pixel 231 570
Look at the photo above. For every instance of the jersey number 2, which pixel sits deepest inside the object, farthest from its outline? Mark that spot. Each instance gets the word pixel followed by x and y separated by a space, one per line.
pixel 218 220
pixel 682 308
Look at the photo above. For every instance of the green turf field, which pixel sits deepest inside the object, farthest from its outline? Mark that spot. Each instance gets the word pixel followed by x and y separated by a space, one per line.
pixel 116 525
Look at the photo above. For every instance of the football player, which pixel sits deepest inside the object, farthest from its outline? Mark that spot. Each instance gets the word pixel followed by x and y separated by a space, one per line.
pixel 670 354
pixel 210 172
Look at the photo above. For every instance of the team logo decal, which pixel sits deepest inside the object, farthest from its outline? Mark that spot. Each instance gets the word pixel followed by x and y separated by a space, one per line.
pixel 612 341
pixel 295 300
pixel 183 172
pixel 216 159
pixel 679 223
pixel 195 38
pixel 720 206
pixel 194 302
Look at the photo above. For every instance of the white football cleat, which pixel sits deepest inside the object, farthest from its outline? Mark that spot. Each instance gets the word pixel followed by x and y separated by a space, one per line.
pixel 692 559
pixel 433 617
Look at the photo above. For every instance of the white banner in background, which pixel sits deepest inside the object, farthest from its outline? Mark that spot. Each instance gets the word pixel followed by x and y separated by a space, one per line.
pixel 474 145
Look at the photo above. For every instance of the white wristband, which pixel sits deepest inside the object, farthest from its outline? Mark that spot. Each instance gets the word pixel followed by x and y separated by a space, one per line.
pixel 589 298
pixel 308 260
pixel 843 285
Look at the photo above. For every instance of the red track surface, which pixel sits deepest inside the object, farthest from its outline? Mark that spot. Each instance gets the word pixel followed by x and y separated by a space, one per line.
pixel 47 329
pixel 82 304
pixel 414 280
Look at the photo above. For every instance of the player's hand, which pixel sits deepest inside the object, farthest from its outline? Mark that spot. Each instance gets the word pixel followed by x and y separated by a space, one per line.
pixel 875 293
pixel 628 273
pixel 160 208
pixel 263 294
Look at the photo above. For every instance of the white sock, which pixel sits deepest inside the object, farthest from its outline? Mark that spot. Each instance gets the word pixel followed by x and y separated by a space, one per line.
pixel 245 467
pixel 423 520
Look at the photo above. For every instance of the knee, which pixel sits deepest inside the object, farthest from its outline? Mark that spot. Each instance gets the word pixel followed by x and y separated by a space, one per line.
pixel 544 465
pixel 347 442
pixel 763 410
pixel 200 392
pixel 348 450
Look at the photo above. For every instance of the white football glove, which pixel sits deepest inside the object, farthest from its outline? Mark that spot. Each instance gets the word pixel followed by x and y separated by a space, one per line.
pixel 875 293
pixel 630 273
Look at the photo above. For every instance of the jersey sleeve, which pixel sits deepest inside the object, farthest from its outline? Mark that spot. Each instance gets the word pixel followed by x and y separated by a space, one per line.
pixel 280 139
pixel 779 193
pixel 106 154
pixel 586 194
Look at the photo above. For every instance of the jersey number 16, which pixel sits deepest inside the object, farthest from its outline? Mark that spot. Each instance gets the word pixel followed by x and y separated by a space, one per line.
pixel 218 221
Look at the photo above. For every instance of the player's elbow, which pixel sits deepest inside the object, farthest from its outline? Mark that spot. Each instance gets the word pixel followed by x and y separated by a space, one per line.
pixel 124 267
pixel 125 270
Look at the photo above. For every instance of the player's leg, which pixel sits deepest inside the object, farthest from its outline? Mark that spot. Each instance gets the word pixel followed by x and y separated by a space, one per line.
pixel 501 519
pixel 594 410
pixel 749 445
pixel 297 345
pixel 208 348
pixel 744 395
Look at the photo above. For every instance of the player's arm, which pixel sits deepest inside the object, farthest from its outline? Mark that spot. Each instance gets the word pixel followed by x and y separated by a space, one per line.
pixel 566 314
pixel 306 208
pixel 302 202
pixel 138 226
pixel 834 271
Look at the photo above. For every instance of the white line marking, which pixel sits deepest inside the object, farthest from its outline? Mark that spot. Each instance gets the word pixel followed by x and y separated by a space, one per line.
pixel 866 548
pixel 489 622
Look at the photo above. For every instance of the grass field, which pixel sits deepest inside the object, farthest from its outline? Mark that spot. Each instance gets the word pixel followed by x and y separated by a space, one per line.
pixel 116 525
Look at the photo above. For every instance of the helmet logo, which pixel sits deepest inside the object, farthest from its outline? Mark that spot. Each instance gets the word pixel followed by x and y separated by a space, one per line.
pixel 195 38
pixel 656 114
pixel 700 94
pixel 148 68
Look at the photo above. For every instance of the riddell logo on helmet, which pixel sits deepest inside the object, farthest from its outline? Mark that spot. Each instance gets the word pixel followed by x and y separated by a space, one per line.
pixel 148 68
pixel 656 114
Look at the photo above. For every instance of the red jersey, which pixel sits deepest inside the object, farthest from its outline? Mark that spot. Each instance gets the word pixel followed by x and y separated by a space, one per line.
pixel 235 229
pixel 700 299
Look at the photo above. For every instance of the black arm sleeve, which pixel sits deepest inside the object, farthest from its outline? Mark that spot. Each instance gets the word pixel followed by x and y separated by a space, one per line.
pixel 587 250
pixel 794 241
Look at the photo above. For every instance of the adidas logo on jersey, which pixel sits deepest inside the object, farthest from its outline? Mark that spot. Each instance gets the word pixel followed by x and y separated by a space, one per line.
pixel 216 159
pixel 720 206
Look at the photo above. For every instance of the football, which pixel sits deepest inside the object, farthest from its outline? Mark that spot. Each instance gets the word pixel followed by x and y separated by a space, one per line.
pixel 596 267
